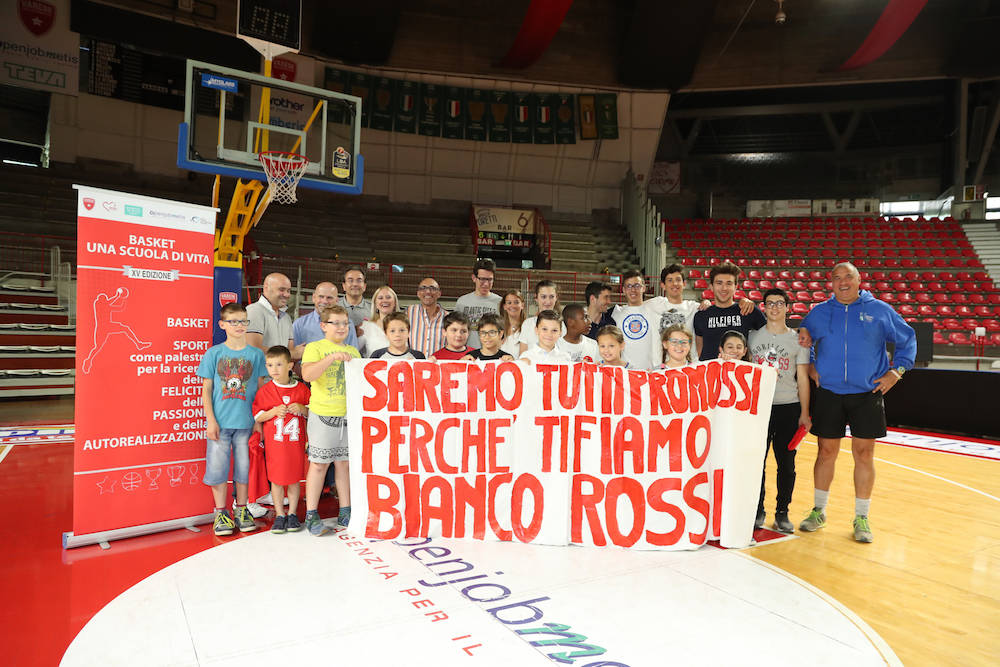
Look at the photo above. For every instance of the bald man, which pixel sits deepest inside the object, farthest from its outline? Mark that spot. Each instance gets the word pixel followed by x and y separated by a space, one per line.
pixel 306 329
pixel 270 325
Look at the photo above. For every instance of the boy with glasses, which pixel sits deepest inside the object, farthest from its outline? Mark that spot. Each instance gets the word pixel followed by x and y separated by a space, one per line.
pixel 642 335
pixel 323 367
pixel 231 371
pixel 778 346
pixel 491 336
pixel 481 300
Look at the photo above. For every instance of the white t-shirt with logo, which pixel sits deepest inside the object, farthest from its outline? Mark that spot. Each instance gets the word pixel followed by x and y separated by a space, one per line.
pixel 637 324
pixel 585 350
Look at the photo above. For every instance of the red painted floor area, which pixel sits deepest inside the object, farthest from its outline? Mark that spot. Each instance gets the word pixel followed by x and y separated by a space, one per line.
pixel 49 593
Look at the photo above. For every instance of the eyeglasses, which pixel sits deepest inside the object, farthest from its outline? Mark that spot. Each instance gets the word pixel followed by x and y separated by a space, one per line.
pixel 488 332
pixel 635 286
pixel 354 281
pixel 338 323
pixel 679 342
pixel 774 304
pixel 428 288
pixel 483 280
pixel 237 323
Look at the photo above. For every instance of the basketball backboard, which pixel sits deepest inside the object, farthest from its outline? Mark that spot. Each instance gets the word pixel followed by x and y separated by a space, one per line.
pixel 224 129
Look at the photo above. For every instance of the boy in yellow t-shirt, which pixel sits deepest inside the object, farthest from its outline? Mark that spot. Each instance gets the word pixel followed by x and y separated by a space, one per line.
pixel 323 367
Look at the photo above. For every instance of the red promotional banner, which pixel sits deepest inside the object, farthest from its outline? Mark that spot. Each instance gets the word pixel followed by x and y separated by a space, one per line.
pixel 144 309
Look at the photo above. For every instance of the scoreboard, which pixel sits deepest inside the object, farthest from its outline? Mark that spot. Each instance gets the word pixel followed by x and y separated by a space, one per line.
pixel 272 21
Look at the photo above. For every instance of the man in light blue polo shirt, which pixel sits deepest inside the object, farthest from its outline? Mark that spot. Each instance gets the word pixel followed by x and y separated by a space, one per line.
pixel 306 329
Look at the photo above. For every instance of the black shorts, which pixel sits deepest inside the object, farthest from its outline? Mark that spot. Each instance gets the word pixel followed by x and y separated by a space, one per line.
pixel 864 412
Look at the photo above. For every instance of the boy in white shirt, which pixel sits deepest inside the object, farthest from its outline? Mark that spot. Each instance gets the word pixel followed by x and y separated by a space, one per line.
pixel 575 342
pixel 545 351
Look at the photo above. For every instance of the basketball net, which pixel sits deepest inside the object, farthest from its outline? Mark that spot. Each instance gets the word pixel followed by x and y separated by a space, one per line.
pixel 284 170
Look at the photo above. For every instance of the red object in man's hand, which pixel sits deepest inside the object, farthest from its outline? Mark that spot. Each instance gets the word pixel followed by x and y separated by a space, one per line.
pixel 793 444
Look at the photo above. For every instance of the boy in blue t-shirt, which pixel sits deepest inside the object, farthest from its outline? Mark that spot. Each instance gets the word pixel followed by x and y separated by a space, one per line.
pixel 232 373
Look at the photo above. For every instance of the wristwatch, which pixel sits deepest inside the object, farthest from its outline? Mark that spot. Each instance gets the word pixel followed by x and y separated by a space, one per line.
pixel 900 370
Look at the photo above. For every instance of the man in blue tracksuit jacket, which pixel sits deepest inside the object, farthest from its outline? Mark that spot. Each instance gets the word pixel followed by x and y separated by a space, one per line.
pixel 849 333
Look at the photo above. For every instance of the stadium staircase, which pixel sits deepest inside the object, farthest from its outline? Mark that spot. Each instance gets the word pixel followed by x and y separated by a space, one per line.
pixel 595 243
pixel 926 269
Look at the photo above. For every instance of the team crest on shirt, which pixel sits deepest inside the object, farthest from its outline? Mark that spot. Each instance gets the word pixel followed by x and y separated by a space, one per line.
pixel 286 399
pixel 634 326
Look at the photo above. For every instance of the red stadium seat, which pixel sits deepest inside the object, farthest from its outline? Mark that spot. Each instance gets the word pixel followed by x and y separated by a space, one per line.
pixel 992 326
pixel 958 338
pixel 708 294
pixel 770 275
pixel 912 275
pixel 952 286
pixel 754 274
pixel 882 286
pixel 748 285
pixel 798 285
pixel 978 298
pixel 928 275
pixel 939 338
pixel 923 262
pixel 995 339
pixel 951 324
pixel 960 298
pixel 946 311
pixel 781 284
pixel 941 297
pixel 695 273
pixel 895 275
pixel 785 275
pixel 935 286
pixel 933 321
pixel 908 310
pixel 924 297
pixel 964 311
pixel 755 295
pixel 803 296
pixel 994 298
pixel 888 297
pixel 818 275
pixel 969 323
pixel 899 286
pixel 980 275
pixel 801 275
pixel 800 308
pixel 983 311
pixel 765 284
pixel 963 275
pixel 946 275
pixel 892 263
pixel 700 284
pixel 878 275
pixel 864 285
pixel 820 296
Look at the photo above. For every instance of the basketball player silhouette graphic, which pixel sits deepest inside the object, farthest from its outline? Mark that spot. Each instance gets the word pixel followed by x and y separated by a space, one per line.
pixel 106 326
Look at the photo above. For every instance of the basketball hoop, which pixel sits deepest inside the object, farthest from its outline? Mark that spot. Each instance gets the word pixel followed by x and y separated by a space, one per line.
pixel 284 170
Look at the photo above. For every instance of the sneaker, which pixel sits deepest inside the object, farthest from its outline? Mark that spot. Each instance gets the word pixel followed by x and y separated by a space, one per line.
pixel 256 511
pixel 782 524
pixel 223 524
pixel 266 499
pixel 759 521
pixel 344 517
pixel 315 525
pixel 862 529
pixel 245 520
pixel 279 525
pixel 813 522
pixel 292 523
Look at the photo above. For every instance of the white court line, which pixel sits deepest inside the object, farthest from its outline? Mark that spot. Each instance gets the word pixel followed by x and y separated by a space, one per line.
pixel 932 475
pixel 5 452
pixel 880 644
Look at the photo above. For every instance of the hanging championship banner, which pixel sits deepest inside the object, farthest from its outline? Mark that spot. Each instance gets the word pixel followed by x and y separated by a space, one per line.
pixel 338 81
pixel 543 131
pixel 523 115
pixel 430 110
pixel 588 116
pixel 499 118
pixel 454 113
pixel 406 107
pixel 557 454
pixel 476 102
pixel 565 119
pixel 144 303
pixel 607 116
pixel 382 104
pixel 361 86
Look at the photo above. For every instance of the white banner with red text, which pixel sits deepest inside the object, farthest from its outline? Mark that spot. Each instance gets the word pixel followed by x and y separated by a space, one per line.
pixel 144 309
pixel 557 454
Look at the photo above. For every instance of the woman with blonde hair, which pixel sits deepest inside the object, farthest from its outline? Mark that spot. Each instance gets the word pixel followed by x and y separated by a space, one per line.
pixel 373 337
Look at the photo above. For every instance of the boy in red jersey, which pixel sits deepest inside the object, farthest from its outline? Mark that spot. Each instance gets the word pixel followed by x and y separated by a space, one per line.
pixel 280 406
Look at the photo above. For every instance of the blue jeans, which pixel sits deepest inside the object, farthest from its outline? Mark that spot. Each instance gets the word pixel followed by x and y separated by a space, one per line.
pixel 231 445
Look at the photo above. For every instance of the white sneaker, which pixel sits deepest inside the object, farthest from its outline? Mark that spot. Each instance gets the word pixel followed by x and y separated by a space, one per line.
pixel 265 500
pixel 256 511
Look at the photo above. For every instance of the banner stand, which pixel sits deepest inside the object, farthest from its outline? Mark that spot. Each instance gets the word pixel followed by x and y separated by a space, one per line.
pixel 71 541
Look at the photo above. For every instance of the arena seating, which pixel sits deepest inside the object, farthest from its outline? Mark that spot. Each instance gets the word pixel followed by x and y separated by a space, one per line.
pixel 925 268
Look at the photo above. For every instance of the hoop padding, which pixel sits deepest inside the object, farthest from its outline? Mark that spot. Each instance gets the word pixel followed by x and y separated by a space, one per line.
pixel 284 170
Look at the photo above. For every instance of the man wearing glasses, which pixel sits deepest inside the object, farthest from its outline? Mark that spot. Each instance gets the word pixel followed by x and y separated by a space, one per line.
pixel 777 346
pixel 481 299
pixel 427 319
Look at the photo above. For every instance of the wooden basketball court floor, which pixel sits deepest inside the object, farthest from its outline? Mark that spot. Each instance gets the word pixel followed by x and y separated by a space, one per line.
pixel 929 585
